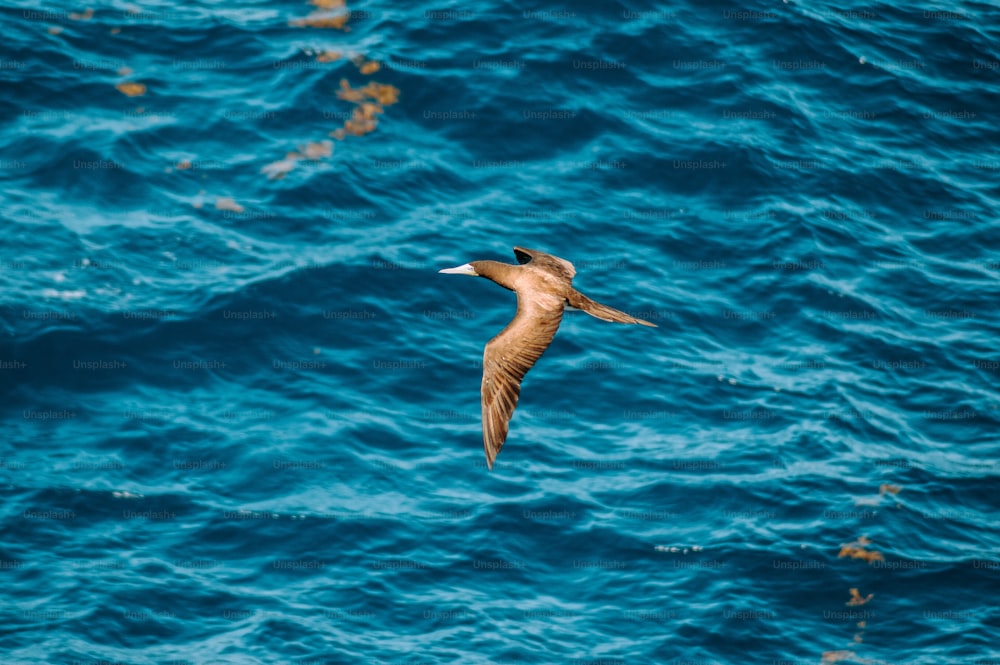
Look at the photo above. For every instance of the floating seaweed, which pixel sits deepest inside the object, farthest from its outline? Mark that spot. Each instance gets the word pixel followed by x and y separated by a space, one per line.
pixel 366 66
pixel 326 16
pixel 131 89
pixel 314 21
pixel 370 100
pixel 384 94
pixel 883 489
pixel 363 120
pixel 328 56
pixel 857 599
pixel 347 93
pixel 856 550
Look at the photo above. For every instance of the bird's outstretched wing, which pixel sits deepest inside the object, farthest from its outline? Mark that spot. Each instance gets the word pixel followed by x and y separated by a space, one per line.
pixel 506 360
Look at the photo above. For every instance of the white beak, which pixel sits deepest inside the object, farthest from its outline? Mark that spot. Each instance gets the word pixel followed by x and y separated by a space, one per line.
pixel 464 269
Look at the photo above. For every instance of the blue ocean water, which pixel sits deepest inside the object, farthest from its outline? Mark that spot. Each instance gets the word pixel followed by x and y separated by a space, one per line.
pixel 241 407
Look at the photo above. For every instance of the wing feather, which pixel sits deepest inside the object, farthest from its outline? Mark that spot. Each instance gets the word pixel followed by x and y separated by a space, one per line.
pixel 506 360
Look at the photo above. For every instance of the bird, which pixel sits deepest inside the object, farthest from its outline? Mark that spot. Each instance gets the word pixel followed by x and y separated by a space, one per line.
pixel 544 287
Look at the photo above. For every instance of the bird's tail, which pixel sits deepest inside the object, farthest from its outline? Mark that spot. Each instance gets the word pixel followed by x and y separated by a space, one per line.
pixel 603 312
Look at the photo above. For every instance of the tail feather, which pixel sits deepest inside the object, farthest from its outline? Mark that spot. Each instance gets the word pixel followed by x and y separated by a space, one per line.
pixel 603 312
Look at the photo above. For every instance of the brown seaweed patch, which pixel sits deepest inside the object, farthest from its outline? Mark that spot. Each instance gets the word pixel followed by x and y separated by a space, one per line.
pixel 131 89
pixel 329 14
pixel 334 22
pixel 347 93
pixel 382 93
pixel 856 550
pixel 883 489
pixel 363 120
pixel 368 100
pixel 366 66
pixel 858 599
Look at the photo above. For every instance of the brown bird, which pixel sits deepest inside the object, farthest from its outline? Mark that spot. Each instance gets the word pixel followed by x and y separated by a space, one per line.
pixel 544 286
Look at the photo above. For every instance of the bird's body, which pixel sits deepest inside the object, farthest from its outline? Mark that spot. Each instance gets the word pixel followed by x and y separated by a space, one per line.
pixel 544 287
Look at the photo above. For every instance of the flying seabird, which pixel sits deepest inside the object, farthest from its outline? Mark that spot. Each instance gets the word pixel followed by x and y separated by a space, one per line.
pixel 544 286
